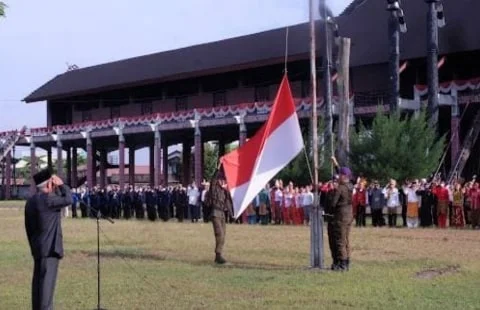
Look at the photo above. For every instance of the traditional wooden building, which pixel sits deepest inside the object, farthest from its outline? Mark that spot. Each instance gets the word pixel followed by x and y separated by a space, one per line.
pixel 222 91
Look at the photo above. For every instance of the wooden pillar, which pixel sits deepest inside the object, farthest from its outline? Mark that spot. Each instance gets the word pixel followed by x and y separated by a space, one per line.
pixel 157 154
pixel 455 138
pixel 202 168
pixel 74 167
pixel 165 165
pixel 103 168
pixel 344 114
pixel 151 166
pixel 221 148
pixel 49 158
pixel 198 155
pixel 121 160
pixel 94 165
pixel 90 161
pixel 186 163
pixel 69 166
pixel 8 176
pixel 131 166
pixel 33 167
pixel 60 158
pixel 242 137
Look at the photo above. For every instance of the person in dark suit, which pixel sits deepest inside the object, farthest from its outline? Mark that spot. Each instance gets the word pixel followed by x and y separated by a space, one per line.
pixel 44 233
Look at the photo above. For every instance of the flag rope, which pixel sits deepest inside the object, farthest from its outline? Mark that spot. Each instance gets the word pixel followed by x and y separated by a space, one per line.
pixel 308 164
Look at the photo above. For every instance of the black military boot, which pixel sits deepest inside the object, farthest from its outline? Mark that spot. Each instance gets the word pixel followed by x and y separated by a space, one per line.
pixel 340 267
pixel 334 264
pixel 347 264
pixel 219 259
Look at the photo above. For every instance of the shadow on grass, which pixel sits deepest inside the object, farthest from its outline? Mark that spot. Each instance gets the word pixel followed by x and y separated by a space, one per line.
pixel 247 266
pixel 123 255
pixel 156 257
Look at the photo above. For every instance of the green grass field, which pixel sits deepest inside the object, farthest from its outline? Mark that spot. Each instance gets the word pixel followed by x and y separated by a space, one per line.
pixel 170 266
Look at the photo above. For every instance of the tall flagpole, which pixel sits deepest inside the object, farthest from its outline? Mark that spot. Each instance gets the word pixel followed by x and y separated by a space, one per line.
pixel 316 226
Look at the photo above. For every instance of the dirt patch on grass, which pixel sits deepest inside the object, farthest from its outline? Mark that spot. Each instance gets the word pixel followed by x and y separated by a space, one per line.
pixel 436 272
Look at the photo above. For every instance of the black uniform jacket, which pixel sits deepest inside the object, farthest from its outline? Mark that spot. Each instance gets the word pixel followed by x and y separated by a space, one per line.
pixel 43 222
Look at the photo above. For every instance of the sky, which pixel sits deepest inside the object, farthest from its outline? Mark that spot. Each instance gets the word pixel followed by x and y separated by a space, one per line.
pixel 39 38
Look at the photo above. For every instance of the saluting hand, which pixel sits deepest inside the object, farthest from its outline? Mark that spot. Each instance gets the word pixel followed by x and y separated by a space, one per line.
pixel 56 180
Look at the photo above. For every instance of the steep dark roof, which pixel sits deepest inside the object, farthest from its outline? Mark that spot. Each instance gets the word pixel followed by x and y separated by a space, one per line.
pixel 352 6
pixel 364 21
pixel 219 56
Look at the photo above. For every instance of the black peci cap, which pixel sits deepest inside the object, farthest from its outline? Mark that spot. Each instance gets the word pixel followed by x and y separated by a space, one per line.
pixel 42 176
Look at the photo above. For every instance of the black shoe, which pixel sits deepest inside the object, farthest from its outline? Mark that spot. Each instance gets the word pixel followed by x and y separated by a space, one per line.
pixel 219 259
pixel 334 264
pixel 347 264
pixel 341 266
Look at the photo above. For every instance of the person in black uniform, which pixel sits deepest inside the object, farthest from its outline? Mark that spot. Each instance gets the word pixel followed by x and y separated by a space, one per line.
pixel 150 201
pixel 44 233
pixel 181 203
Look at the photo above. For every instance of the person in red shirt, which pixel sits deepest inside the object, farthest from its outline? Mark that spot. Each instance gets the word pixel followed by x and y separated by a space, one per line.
pixel 443 199
pixel 359 203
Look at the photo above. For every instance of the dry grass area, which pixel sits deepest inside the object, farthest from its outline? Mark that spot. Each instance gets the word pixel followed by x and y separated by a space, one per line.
pixel 170 266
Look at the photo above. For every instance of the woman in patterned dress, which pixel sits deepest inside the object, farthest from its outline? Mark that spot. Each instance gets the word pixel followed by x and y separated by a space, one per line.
pixel 458 217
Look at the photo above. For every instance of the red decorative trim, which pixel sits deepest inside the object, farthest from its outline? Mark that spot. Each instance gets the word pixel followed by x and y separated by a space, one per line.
pixel 446 87
pixel 213 112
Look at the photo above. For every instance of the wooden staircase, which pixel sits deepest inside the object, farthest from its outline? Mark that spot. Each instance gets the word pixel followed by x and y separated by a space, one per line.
pixel 467 146
pixel 7 143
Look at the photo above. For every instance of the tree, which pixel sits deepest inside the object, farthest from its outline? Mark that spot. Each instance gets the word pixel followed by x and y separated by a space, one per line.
pixel 24 170
pixel 299 170
pixel 396 147
pixel 2 9
pixel 210 160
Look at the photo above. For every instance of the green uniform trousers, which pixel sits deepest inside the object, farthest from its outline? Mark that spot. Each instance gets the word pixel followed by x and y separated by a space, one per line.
pixel 341 235
pixel 220 230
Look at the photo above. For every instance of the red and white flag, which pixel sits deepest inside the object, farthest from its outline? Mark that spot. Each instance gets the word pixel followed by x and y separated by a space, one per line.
pixel 250 167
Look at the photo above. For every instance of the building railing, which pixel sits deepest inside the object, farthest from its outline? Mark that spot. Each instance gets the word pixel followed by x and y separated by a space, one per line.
pixel 255 108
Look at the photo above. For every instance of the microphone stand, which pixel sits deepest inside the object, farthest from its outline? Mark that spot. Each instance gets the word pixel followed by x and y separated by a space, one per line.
pixel 99 216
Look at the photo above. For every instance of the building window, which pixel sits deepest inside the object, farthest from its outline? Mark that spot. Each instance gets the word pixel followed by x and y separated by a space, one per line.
pixel 114 112
pixel 181 103
pixel 262 93
pixel 86 116
pixel 219 99
pixel 147 108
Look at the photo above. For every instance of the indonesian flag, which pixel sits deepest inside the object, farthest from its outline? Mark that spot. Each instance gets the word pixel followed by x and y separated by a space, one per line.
pixel 250 167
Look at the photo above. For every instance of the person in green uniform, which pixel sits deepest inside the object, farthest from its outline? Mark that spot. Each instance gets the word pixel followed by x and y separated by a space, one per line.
pixel 219 201
pixel 342 219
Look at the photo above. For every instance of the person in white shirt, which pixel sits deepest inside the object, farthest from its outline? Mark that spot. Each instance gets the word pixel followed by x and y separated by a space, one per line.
pixel 193 199
pixel 392 196
pixel 410 189
pixel 278 205
pixel 288 203
pixel 307 203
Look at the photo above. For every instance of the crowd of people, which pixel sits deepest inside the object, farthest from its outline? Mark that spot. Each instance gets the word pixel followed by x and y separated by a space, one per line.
pixel 420 203
pixel 416 203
